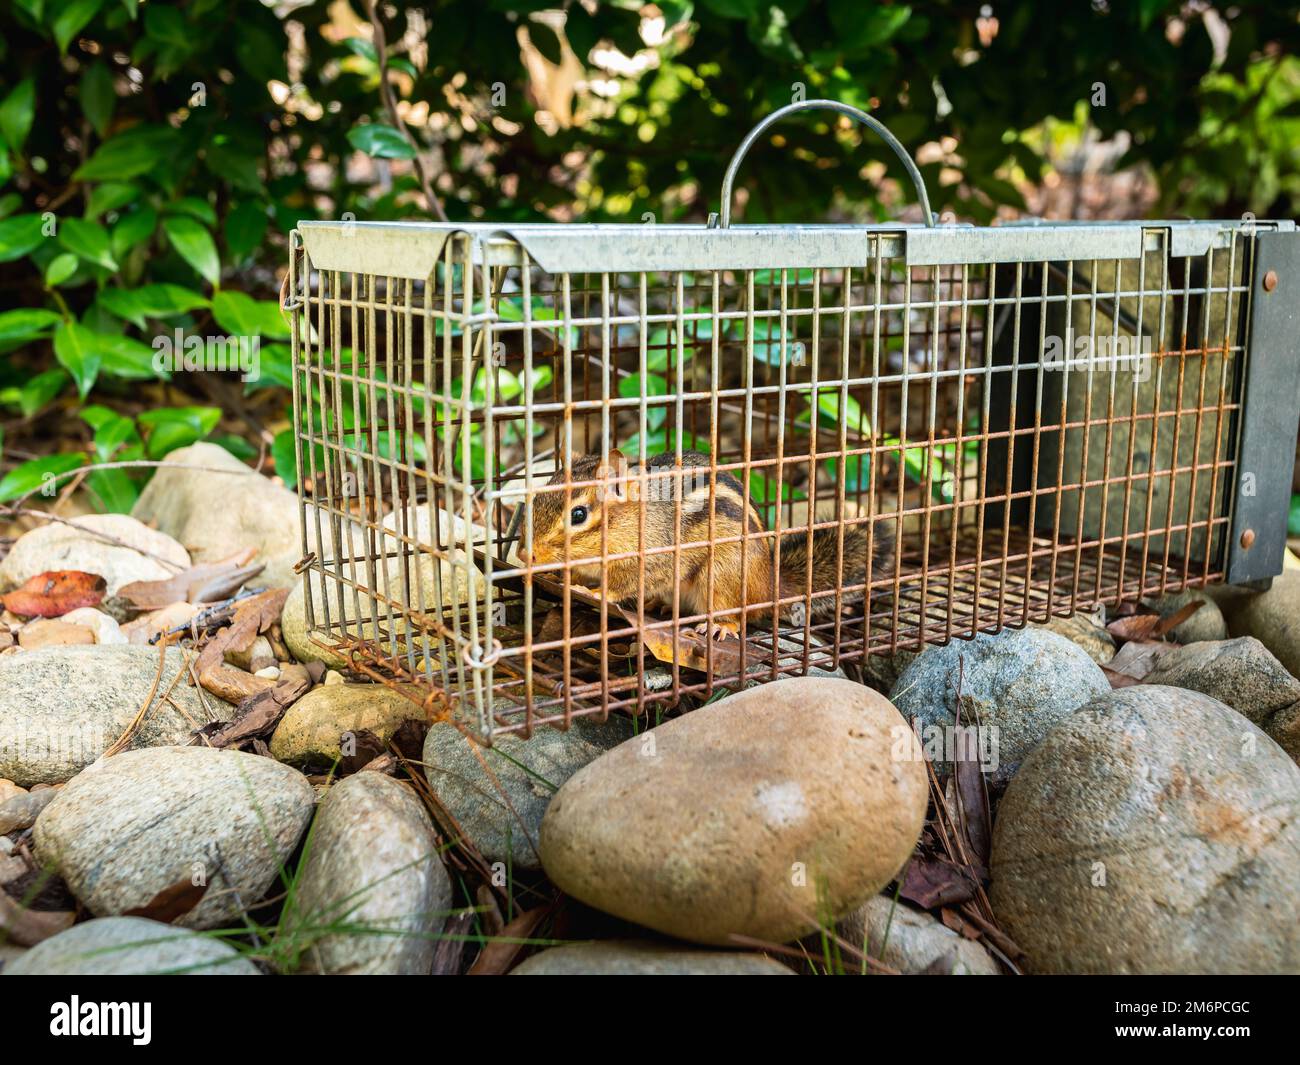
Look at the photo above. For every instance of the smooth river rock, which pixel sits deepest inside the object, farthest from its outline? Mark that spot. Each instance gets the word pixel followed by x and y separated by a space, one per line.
pixel 61 707
pixel 311 732
pixel 1244 675
pixel 58 546
pixel 130 946
pixel 142 821
pixel 1272 617
pixel 373 893
pixel 1155 830
pixel 635 957
pixel 912 942
pixel 505 827
pixel 1206 624
pixel 215 505
pixel 1084 630
pixel 754 815
pixel 1015 685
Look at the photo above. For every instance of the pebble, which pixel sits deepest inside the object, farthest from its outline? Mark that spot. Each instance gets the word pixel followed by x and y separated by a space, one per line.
pixel 130 946
pixel 911 942
pixel 105 628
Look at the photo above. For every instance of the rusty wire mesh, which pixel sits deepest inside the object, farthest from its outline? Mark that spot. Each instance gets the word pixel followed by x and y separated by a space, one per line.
pixel 1040 436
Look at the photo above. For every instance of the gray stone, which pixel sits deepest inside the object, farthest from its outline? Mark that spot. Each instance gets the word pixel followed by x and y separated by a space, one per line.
pixel 215 505
pixel 311 732
pixel 130 946
pixel 631 957
pixel 1015 685
pixel 372 864
pixel 529 771
pixel 56 546
pixel 141 821
pixel 19 812
pixel 61 707
pixel 1154 830
pixel 752 815
pixel 1272 617
pixel 881 671
pixel 912 942
pixel 1206 624
pixel 1241 674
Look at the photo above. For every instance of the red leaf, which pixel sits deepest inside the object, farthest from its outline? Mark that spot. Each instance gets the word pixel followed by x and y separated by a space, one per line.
pixel 53 594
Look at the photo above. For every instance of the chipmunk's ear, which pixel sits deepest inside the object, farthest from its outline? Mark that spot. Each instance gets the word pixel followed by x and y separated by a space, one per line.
pixel 613 472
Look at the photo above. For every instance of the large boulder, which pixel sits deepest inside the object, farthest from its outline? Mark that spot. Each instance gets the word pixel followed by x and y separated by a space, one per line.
pixel 61 707
pixel 759 814
pixel 130 946
pixel 143 821
pixel 117 547
pixel 1154 830
pixel 1015 685
pixel 372 895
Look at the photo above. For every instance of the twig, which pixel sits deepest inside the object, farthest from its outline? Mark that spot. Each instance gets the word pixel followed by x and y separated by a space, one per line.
pixel 433 204
pixel 121 742
pixel 106 537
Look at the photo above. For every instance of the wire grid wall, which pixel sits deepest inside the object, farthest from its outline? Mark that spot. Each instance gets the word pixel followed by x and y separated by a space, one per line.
pixel 1036 437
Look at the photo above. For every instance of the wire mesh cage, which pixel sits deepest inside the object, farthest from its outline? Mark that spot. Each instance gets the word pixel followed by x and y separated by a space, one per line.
pixel 554 470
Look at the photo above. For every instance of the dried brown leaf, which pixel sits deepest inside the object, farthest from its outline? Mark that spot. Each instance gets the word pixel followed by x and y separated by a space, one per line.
pixel 198 584
pixel 931 882
pixel 499 954
pixel 29 927
pixel 55 593
pixel 171 903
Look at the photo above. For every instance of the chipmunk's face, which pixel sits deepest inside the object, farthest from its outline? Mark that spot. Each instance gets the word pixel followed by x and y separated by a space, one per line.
pixel 567 525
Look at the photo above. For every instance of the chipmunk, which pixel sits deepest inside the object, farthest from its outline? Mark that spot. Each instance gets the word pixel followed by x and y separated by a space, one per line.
pixel 603 518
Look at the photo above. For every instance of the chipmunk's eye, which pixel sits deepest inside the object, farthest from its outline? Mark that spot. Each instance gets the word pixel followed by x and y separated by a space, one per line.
pixel 577 515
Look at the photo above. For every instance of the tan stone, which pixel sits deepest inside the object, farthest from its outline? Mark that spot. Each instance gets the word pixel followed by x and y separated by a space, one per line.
pixel 630 957
pixel 1272 617
pixel 312 730
pixel 912 942
pixel 752 815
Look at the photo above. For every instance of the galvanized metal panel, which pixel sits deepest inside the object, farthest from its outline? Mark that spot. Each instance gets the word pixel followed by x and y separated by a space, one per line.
pixel 1022 243
pixel 1270 412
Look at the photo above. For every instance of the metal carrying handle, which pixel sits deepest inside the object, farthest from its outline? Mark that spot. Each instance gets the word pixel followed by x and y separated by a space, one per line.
pixel 832 105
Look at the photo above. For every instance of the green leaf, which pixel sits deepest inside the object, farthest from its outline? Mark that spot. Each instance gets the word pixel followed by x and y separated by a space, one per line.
pixel 150 301
pixel 97 96
pixel 236 445
pixel 37 393
pixel 110 196
pixel 733 9
pixel 173 427
pixel 31 476
pixel 72 19
pixel 19 235
pixel 1293 518
pixel 380 141
pixel 284 453
pixel 241 315
pixel 60 268
pixel 857 473
pixel 195 246
pixel 26 323
pixel 17 112
pixel 362 47
pixel 138 150
pixel 245 227
pixel 195 208
pixel 630 387
pixel 89 240
pixel 75 348
pixel 133 228
pixel 114 489
pixel 275 367
pixel 762 489
pixel 127 358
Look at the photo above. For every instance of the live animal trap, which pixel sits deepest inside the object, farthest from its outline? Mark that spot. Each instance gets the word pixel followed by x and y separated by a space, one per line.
pixel 939 430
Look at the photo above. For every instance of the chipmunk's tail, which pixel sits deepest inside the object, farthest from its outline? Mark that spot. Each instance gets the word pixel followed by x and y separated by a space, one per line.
pixel 836 563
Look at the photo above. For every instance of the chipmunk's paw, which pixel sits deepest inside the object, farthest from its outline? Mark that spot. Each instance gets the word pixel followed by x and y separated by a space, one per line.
pixel 718 630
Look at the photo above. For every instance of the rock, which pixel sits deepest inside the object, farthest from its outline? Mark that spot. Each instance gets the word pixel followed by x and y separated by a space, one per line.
pixel 61 707
pixel 106 630
pixel 19 812
pixel 1272 617
pixel 311 732
pixel 752 815
pixel 912 942
pixel 633 957
pixel 52 632
pixel 269 673
pixel 8 789
pixel 508 832
pixel 1206 624
pixel 142 821
pixel 1153 831
pixel 257 655
pixel 1015 685
pixel 130 946
pixel 56 546
pixel 372 863
pixel 222 507
pixel 332 677
pixel 1083 630
pixel 1241 674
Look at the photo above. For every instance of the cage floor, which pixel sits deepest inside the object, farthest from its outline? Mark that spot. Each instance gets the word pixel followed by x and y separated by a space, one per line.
pixel 954 591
